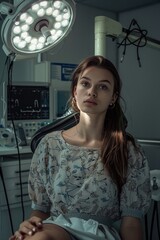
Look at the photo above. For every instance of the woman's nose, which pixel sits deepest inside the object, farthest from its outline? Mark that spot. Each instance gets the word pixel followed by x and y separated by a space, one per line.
pixel 92 92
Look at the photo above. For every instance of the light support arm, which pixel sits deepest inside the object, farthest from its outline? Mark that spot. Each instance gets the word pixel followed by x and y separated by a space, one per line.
pixel 6 8
pixel 105 26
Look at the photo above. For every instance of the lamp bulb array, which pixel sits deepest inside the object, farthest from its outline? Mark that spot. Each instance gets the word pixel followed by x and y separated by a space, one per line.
pixel 39 25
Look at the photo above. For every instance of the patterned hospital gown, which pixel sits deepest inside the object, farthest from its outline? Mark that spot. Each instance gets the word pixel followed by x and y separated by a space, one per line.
pixel 68 179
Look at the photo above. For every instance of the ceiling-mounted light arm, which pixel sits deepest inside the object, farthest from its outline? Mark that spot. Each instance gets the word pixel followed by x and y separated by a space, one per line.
pixel 105 26
pixel 6 8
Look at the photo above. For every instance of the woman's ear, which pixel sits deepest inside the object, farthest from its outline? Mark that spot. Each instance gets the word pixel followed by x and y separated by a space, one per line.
pixel 114 97
pixel 75 92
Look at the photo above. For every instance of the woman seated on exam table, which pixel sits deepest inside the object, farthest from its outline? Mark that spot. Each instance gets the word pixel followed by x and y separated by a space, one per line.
pixel 85 178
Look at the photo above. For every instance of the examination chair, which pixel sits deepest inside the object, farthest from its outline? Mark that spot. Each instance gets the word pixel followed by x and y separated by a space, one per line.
pixel 68 120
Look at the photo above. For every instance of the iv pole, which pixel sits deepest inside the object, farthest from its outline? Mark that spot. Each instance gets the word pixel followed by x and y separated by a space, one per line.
pixel 105 26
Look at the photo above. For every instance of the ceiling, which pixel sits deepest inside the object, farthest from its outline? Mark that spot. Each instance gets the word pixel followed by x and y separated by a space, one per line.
pixel 118 5
pixel 112 5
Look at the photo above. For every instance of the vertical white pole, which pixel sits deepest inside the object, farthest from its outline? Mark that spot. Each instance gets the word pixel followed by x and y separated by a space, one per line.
pixel 100 36
pixel 104 27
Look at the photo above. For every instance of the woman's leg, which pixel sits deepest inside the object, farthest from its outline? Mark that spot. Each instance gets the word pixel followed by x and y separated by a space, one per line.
pixel 50 232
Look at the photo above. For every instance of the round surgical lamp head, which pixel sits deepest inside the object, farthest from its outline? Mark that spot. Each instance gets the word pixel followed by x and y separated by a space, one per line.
pixel 36 26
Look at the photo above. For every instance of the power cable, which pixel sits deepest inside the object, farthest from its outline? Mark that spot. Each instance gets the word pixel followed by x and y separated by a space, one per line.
pixel 7 201
pixel 140 41
pixel 3 71
pixel 10 73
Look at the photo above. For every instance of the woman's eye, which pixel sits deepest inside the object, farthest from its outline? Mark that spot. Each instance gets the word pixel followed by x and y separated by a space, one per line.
pixel 85 84
pixel 103 87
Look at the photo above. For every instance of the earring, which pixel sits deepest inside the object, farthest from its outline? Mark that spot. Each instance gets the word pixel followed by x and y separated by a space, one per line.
pixel 112 105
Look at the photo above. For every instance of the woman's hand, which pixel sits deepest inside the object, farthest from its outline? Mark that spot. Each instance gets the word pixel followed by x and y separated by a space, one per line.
pixel 27 228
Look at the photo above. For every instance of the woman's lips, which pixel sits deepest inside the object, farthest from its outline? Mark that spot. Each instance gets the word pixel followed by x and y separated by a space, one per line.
pixel 90 101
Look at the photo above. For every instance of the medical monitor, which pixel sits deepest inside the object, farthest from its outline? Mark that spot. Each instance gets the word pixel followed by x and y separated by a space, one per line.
pixel 28 102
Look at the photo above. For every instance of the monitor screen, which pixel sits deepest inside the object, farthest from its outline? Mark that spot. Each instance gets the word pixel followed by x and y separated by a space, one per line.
pixel 27 102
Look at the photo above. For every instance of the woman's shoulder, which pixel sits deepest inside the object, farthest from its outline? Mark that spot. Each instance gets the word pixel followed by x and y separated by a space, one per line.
pixel 52 139
pixel 136 155
pixel 55 135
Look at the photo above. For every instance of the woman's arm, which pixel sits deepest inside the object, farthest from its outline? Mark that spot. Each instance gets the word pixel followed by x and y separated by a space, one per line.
pixel 39 214
pixel 131 229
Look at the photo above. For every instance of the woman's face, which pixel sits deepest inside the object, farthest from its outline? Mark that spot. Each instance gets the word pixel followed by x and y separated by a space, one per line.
pixel 95 90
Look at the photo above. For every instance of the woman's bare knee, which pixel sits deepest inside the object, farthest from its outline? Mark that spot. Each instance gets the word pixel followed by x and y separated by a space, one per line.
pixel 39 236
pixel 50 232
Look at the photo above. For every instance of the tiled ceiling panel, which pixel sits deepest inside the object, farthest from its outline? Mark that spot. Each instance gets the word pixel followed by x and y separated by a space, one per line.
pixel 110 5
pixel 118 5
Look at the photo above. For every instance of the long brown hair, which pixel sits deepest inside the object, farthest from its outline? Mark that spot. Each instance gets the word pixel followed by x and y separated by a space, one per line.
pixel 114 152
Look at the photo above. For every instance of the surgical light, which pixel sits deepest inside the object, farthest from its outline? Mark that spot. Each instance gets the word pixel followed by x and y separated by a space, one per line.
pixel 35 26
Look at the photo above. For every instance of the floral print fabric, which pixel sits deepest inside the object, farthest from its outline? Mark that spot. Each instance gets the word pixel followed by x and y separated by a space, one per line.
pixel 65 178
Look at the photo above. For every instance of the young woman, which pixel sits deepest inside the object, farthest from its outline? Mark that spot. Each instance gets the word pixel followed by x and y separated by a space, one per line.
pixel 84 179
